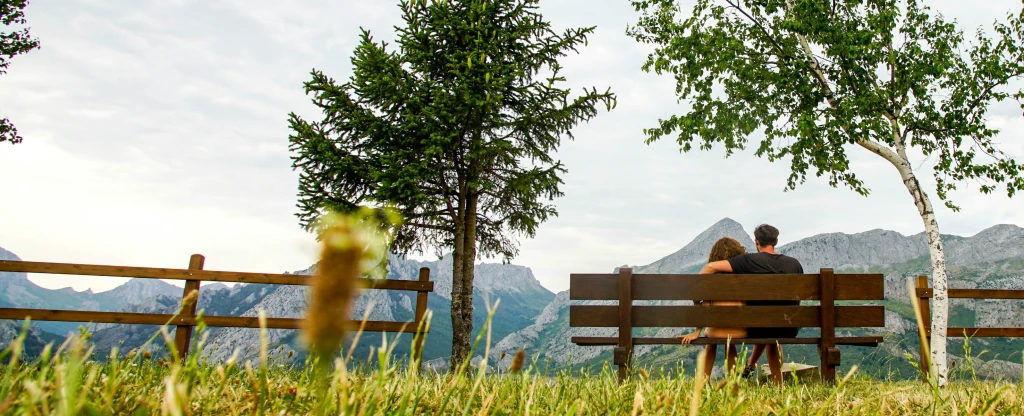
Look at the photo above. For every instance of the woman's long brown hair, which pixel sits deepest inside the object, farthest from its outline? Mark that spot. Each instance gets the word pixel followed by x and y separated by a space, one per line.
pixel 725 248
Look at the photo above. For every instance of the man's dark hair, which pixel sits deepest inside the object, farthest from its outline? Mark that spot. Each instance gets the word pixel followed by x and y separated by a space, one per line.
pixel 766 235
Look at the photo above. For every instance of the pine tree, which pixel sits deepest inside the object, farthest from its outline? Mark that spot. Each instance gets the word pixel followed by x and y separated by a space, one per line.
pixel 455 129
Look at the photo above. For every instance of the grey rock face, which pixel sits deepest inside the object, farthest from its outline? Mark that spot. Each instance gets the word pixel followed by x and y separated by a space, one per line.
pixel 895 324
pixel 559 348
pixel 1000 370
pixel 870 248
pixel 995 243
pixel 488 277
pixel 137 291
pixel 13 284
pixel 883 247
pixel 998 313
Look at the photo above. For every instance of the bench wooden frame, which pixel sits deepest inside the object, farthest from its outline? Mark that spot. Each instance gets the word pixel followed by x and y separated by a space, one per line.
pixel 924 295
pixel 186 320
pixel 626 287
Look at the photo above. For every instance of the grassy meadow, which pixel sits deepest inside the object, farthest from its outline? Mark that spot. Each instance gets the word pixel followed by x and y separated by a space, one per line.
pixel 66 380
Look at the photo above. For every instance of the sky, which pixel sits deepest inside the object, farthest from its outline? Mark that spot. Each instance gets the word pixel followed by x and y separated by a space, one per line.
pixel 157 129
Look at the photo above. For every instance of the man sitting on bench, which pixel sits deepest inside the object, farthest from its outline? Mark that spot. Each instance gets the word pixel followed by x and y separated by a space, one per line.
pixel 765 261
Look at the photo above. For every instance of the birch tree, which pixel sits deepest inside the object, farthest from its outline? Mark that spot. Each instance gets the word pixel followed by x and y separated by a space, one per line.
pixel 455 128
pixel 820 80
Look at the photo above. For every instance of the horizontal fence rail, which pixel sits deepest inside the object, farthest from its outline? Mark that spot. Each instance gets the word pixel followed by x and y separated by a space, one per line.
pixel 201 275
pixel 186 320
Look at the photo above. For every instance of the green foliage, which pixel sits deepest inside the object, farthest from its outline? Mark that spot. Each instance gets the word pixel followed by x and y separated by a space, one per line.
pixel 457 123
pixel 815 77
pixel 17 42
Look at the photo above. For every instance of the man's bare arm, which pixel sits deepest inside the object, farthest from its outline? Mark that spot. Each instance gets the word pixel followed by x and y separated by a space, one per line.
pixel 721 266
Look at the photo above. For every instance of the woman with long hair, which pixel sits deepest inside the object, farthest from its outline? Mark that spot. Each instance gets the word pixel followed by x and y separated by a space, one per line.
pixel 723 249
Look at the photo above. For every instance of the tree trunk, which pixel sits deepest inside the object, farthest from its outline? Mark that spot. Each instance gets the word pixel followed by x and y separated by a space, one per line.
pixel 460 328
pixel 468 271
pixel 940 298
pixel 463 264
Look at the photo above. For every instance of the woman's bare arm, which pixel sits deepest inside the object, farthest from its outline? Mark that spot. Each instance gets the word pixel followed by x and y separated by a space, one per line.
pixel 688 338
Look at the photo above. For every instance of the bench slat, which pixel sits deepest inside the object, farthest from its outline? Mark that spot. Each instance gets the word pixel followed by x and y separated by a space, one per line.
pixel 597 341
pixel 726 287
pixel 985 332
pixel 726 316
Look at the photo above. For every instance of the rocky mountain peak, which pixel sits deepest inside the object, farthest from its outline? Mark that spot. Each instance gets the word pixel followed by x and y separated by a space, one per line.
pixel 11 278
pixel 212 287
pixel 7 255
pixel 487 277
pixel 995 243
pixel 696 252
pixel 137 290
pixel 868 248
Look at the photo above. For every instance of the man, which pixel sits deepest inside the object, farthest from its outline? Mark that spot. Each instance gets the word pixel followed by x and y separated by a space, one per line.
pixel 765 261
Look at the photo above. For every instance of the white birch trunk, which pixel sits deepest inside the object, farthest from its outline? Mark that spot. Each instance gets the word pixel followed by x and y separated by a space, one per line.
pixel 940 294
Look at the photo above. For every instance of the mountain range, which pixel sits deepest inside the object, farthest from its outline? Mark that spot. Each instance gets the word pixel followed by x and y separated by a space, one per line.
pixel 535 319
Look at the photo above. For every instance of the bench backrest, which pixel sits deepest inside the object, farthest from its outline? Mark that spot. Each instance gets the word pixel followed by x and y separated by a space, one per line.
pixel 825 287
pixel 627 287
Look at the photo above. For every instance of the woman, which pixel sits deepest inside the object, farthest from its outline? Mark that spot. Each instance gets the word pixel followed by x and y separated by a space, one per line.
pixel 723 249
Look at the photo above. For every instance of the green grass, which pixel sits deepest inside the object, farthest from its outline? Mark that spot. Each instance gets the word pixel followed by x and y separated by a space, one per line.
pixel 64 381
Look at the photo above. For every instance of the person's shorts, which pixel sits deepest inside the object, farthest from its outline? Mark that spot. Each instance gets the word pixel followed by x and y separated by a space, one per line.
pixel 772 332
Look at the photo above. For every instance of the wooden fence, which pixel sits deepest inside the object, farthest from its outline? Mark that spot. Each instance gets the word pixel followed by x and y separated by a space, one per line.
pixel 193 276
pixel 924 295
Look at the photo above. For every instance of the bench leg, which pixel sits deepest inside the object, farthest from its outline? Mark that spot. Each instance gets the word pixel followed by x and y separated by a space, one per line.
pixel 621 359
pixel 830 359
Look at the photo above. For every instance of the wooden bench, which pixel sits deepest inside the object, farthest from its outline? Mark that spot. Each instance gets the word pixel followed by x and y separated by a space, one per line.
pixel 826 287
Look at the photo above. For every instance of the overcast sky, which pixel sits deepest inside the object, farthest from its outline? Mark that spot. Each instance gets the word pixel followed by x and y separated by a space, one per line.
pixel 157 129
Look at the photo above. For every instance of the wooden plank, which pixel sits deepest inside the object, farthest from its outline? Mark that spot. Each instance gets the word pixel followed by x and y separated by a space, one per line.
pixel 975 293
pixel 625 321
pixel 726 287
pixel 828 327
pixel 605 341
pixel 161 319
pixel 726 316
pixel 204 275
pixel 421 311
pixel 985 332
pixel 183 333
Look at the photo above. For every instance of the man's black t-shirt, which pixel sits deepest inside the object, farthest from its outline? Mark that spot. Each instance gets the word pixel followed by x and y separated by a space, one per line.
pixel 765 263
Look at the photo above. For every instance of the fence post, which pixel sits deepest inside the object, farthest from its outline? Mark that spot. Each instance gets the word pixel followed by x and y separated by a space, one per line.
pixel 623 353
pixel 183 333
pixel 926 320
pixel 421 311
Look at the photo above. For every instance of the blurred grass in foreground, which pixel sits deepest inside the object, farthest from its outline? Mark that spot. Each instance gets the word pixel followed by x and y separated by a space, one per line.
pixel 64 381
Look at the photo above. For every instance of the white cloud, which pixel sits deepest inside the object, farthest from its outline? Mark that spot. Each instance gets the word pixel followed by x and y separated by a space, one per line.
pixel 157 129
